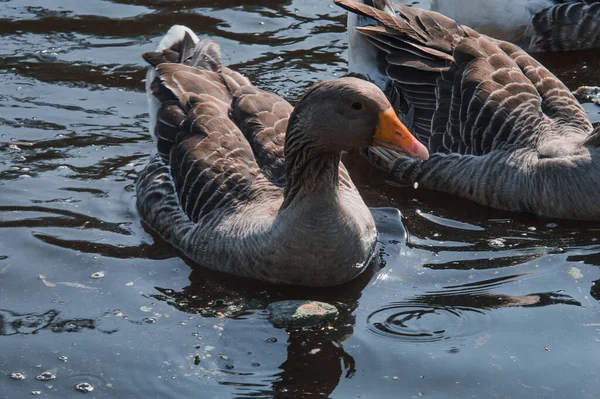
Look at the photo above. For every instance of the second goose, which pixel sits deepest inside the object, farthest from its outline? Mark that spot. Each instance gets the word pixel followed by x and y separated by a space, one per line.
pixel 502 130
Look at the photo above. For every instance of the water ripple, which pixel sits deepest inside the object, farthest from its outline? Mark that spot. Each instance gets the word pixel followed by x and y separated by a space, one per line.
pixel 413 322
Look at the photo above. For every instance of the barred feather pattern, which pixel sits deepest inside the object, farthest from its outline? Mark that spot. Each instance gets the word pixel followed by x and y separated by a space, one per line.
pixel 502 130
pixel 571 25
pixel 215 188
pixel 536 25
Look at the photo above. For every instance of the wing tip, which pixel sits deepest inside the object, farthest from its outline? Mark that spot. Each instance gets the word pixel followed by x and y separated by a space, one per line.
pixel 176 34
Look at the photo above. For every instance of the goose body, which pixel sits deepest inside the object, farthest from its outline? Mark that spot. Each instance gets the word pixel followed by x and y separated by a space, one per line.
pixel 535 25
pixel 501 129
pixel 243 183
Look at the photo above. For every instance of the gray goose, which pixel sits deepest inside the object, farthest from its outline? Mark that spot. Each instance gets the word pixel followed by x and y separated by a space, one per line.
pixel 245 184
pixel 501 129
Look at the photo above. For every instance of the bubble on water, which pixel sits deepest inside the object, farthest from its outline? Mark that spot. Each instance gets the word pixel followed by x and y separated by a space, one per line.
pixel 271 340
pixel 150 320
pixel 17 376
pixel 84 387
pixel 97 275
pixel 46 376
pixel 497 242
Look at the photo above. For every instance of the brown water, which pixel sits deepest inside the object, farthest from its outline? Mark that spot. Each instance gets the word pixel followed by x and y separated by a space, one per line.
pixel 470 303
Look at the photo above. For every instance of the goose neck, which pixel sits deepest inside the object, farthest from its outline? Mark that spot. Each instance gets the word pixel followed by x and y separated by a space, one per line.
pixel 309 169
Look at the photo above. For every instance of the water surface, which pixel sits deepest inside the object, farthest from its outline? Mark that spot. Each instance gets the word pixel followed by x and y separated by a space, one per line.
pixel 466 302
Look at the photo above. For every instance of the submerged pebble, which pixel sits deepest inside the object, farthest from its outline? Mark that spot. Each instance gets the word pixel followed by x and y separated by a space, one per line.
pixel 301 313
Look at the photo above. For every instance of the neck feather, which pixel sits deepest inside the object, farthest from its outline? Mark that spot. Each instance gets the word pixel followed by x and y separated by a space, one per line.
pixel 307 167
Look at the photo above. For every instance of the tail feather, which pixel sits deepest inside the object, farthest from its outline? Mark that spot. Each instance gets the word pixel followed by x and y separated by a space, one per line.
pixel 179 46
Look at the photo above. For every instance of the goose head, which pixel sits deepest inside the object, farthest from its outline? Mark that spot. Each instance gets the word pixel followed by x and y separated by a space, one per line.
pixel 343 114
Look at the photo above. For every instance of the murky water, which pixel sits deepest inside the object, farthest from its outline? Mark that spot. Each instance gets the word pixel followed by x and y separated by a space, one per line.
pixel 467 303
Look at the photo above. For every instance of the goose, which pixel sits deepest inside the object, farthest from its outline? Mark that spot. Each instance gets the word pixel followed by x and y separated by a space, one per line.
pixel 245 184
pixel 501 129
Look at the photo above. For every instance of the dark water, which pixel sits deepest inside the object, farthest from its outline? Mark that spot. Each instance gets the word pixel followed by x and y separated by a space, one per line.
pixel 473 303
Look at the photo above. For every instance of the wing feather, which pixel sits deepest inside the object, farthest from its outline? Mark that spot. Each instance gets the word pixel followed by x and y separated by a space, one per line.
pixel 220 135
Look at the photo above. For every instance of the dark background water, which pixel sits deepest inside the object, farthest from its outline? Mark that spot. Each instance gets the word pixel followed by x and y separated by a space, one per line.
pixel 467 303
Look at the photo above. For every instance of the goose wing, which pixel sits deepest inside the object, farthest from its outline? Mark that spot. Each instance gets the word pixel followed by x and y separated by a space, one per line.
pixel 467 93
pixel 221 136
pixel 570 25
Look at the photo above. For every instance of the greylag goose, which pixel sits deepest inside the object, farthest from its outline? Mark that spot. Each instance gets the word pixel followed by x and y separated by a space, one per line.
pixel 501 129
pixel 245 184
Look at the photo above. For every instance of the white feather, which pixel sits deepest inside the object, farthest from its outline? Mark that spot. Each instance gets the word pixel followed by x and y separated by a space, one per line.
pixel 175 34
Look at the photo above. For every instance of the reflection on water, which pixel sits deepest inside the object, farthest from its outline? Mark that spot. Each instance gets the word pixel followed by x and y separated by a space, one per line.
pixel 465 302
pixel 12 323
pixel 456 313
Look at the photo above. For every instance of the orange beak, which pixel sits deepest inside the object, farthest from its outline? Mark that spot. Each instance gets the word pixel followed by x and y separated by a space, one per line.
pixel 393 135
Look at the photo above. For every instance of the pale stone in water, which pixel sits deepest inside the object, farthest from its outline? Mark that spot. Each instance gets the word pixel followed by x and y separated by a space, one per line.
pixel 301 313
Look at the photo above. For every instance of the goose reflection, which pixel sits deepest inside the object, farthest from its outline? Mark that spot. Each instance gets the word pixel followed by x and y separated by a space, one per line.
pixel 15 323
pixel 316 359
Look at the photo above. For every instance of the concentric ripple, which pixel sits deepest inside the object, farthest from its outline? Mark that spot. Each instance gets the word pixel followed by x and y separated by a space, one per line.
pixel 412 322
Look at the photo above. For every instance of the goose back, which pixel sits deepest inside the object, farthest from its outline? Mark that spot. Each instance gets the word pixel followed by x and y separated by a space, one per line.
pixel 535 25
pixel 568 25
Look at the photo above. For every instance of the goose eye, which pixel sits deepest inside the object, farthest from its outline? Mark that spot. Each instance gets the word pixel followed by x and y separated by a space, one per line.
pixel 357 106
